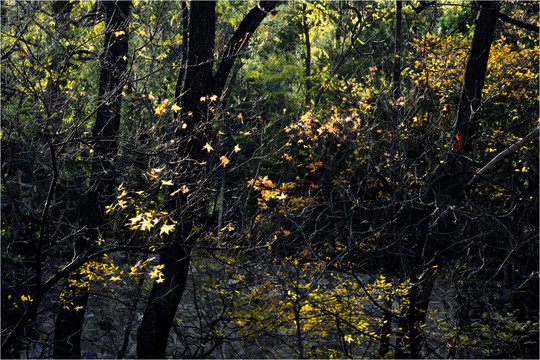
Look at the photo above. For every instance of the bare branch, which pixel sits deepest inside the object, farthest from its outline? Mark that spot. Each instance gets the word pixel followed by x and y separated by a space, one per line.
pixel 501 156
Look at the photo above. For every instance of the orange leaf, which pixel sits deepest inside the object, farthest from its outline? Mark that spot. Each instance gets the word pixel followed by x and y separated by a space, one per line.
pixel 224 160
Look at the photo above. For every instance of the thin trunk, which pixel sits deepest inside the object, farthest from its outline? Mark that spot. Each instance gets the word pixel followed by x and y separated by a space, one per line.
pixel 183 56
pixel 396 73
pixel 307 69
pixel 388 261
pixel 68 327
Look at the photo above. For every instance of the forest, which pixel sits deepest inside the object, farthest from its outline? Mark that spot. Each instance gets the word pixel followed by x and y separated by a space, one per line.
pixel 270 179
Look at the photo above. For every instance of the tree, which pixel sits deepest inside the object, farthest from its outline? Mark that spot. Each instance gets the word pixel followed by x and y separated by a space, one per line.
pixel 112 80
pixel 199 83
pixel 245 182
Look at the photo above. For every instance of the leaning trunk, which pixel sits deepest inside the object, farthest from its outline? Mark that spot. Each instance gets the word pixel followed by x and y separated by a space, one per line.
pixel 449 189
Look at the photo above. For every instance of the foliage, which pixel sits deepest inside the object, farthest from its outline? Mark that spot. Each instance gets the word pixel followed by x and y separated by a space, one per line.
pixel 307 211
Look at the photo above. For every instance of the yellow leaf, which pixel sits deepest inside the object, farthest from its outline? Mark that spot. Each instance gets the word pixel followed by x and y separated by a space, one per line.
pixel 213 98
pixel 161 109
pixel 208 147
pixel 115 278
pixel 176 108
pixel 167 182
pixel 224 160
pixel 146 224
pixel 135 219
pixel 203 98
pixel 119 33
pixel 266 181
pixel 281 196
pixel 166 229
pixel 237 148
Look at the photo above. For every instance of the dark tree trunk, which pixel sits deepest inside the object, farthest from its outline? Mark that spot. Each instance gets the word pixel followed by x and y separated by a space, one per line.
pixel 449 188
pixel 396 72
pixel 164 298
pixel 307 69
pixel 470 102
pixel 390 259
pixel 68 327
pixel 183 56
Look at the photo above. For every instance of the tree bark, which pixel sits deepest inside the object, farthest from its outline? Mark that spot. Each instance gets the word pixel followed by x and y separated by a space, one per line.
pixel 449 188
pixel 164 298
pixel 307 69
pixel 392 211
pixel 466 123
pixel 68 326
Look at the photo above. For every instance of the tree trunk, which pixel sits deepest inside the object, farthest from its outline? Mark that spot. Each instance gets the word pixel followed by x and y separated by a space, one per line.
pixel 307 69
pixel 68 327
pixel 449 188
pixel 156 324
pixel 389 260
pixel 153 332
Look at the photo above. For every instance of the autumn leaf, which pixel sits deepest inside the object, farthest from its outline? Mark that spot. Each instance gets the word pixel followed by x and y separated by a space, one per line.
pixel 155 273
pixel 166 228
pixel 446 110
pixel 266 181
pixel 184 189
pixel 208 147
pixel 167 182
pixel 213 98
pixel 237 148
pixel 176 108
pixel 115 278
pixel 224 160
pixel 281 196
pixel 229 227
pixel 147 224
pixel 161 109
pixel 135 219
pixel 457 146
pixel 119 33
